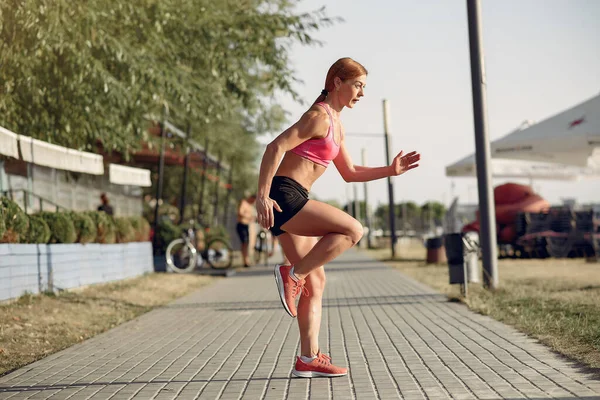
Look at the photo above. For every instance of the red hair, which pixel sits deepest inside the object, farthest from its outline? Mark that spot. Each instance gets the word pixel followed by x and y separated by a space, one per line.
pixel 344 68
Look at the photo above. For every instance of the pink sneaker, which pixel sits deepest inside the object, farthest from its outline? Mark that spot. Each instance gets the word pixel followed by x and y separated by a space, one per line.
pixel 288 288
pixel 319 366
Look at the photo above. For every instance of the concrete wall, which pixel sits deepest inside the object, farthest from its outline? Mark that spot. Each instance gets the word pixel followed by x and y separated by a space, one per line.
pixel 78 192
pixel 36 268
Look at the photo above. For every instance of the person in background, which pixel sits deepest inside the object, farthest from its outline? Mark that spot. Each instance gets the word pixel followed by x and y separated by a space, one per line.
pixel 244 217
pixel 105 206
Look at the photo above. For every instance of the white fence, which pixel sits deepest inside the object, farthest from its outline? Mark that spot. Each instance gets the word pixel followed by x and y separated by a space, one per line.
pixel 36 268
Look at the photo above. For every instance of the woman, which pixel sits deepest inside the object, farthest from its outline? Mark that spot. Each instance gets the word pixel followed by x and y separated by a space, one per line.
pixel 282 205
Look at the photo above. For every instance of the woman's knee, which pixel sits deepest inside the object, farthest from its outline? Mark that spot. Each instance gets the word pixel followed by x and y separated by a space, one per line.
pixel 355 232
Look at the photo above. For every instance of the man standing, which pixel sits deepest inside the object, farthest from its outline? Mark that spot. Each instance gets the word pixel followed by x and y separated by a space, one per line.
pixel 105 206
pixel 244 217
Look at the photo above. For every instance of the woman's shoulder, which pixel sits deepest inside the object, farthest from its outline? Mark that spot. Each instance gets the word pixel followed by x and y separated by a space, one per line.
pixel 315 117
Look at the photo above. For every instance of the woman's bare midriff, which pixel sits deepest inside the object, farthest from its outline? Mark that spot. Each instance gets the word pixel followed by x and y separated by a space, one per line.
pixel 303 171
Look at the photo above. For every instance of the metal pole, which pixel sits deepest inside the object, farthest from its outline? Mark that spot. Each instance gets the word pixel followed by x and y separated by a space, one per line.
pixel 203 180
pixel 367 214
pixel 216 197
pixel 229 190
pixel 186 166
pixel 161 168
pixel 386 124
pixel 482 146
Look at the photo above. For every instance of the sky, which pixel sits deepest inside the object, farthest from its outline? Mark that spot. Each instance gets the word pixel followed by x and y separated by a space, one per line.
pixel 541 57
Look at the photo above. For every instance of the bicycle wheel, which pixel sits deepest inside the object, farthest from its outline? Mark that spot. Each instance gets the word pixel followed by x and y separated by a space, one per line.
pixel 219 254
pixel 181 256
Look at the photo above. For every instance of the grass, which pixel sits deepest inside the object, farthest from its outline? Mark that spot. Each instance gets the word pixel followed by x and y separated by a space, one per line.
pixel 33 327
pixel 556 301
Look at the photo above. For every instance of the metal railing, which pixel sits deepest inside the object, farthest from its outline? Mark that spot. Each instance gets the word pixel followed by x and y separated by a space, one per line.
pixel 29 198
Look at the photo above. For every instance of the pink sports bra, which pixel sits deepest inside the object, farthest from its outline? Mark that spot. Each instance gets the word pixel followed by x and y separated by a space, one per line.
pixel 320 150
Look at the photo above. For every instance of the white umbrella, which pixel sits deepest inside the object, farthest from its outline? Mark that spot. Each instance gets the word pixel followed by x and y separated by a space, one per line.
pixel 503 168
pixel 571 137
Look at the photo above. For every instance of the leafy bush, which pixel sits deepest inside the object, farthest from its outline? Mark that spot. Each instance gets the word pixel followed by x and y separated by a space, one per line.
pixel 167 231
pixel 16 222
pixel 125 232
pixel 217 231
pixel 141 228
pixel 85 227
pixel 61 227
pixel 39 231
pixel 105 225
pixel 2 223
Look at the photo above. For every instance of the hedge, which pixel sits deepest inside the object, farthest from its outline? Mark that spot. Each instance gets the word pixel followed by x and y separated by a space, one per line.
pixel 85 227
pixel 68 227
pixel 39 231
pixel 16 223
pixel 62 229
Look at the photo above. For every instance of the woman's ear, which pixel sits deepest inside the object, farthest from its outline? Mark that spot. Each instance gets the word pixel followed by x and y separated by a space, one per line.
pixel 337 82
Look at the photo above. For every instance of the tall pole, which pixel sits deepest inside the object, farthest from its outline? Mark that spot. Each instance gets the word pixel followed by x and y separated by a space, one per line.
pixel 216 196
pixel 229 190
pixel 367 214
pixel 482 148
pixel 386 124
pixel 161 170
pixel 203 181
pixel 186 166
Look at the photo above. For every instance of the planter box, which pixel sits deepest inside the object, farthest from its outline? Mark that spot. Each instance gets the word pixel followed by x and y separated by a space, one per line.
pixel 36 268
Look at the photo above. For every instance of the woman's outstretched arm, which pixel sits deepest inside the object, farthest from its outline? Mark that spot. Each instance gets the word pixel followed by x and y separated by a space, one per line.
pixel 358 173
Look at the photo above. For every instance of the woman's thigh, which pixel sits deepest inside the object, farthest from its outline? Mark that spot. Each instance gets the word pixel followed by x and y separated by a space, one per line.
pixel 319 219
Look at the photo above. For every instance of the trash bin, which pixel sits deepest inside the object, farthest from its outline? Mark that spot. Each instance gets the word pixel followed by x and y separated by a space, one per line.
pixel 462 252
pixel 453 243
pixel 435 250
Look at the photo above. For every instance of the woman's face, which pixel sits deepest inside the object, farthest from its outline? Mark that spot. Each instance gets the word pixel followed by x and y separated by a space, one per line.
pixel 351 90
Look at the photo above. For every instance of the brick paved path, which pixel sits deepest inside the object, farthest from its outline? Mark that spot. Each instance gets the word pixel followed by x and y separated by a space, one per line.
pixel 233 340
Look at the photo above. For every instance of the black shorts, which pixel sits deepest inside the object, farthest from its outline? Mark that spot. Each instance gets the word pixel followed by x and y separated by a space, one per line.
pixel 291 197
pixel 243 232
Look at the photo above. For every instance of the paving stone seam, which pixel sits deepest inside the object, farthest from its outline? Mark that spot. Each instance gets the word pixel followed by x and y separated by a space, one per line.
pixel 385 362
pixel 258 361
pixel 347 288
pixel 475 320
pixel 481 335
pixel 505 350
pixel 498 359
pixel 51 360
pixel 345 344
pixel 77 354
pixel 193 328
pixel 464 346
pixel 334 317
pixel 256 321
pixel 271 316
pixel 215 328
pixel 328 341
pixel 142 348
pixel 456 356
pixel 216 352
pixel 405 364
pixel 411 344
pixel 277 360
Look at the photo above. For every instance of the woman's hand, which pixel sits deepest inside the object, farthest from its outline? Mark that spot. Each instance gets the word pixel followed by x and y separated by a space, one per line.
pixel 401 163
pixel 264 211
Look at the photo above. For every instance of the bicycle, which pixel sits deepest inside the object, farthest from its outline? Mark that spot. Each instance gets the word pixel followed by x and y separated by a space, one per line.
pixel 186 253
